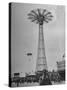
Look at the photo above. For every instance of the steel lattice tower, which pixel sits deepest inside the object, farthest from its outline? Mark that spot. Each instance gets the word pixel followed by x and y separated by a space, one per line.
pixel 41 56
pixel 40 16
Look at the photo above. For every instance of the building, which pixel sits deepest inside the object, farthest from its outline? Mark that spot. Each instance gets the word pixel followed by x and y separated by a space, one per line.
pixel 61 68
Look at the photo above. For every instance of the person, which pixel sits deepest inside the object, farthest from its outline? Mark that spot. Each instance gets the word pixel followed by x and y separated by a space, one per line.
pixel 44 79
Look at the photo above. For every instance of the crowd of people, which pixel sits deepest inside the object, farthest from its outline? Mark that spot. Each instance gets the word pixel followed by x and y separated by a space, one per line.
pixel 43 78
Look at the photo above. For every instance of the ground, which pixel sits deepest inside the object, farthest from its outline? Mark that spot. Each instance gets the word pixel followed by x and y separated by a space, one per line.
pixel 35 84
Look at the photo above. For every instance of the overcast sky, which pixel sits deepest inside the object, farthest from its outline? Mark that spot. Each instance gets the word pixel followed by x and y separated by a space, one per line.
pixel 24 37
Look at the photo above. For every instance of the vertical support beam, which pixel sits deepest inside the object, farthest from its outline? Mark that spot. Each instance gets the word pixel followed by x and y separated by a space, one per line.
pixel 41 57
